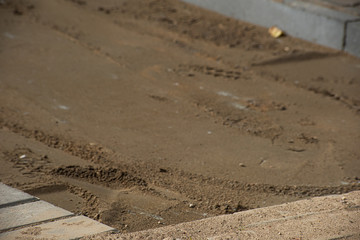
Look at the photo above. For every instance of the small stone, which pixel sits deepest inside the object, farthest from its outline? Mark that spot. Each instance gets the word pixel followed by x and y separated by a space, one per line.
pixel 191 205
pixel 17 11
pixel 242 165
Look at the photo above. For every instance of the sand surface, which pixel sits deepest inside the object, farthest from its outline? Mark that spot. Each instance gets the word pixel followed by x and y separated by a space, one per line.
pixel 142 114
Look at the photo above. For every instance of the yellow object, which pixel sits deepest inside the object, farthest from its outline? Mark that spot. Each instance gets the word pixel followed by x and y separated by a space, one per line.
pixel 275 32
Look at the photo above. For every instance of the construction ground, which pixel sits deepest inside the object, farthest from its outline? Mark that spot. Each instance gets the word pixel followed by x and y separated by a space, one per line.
pixel 151 113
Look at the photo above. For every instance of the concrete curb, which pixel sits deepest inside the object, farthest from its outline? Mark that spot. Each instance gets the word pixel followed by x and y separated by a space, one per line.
pixel 317 21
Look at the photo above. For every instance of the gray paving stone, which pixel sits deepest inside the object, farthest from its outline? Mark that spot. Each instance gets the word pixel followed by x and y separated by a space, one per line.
pixel 70 228
pixel 11 196
pixel 28 213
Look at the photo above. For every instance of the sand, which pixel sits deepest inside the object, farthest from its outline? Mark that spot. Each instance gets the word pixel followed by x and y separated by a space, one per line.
pixel 142 114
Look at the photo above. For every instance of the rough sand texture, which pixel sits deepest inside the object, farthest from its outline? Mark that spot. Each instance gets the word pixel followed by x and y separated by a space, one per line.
pixel 148 113
pixel 332 217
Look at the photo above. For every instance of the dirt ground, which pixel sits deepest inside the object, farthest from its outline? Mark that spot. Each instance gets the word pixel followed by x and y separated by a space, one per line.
pixel 147 113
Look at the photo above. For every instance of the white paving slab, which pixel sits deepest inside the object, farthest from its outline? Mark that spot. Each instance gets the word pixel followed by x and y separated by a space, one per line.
pixel 69 228
pixel 11 196
pixel 34 212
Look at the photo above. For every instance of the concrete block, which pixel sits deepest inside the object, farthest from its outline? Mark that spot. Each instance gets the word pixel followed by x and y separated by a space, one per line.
pixel 305 20
pixel 11 196
pixel 28 213
pixel 70 228
pixel 352 44
pixel 345 3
